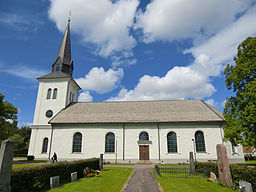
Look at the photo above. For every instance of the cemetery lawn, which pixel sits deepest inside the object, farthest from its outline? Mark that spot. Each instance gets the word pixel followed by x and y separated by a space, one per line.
pixel 18 166
pixel 111 180
pixel 250 162
pixel 170 184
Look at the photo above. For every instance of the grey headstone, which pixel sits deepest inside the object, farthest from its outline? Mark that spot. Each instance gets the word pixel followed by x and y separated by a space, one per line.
pixel 213 176
pixel 101 162
pixel 223 165
pixel 54 181
pixel 192 164
pixel 73 176
pixel 6 158
pixel 247 186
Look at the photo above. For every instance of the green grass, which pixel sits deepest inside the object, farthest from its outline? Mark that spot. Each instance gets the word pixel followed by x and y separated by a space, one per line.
pixel 18 166
pixel 34 161
pixel 111 180
pixel 199 184
pixel 172 164
pixel 120 164
pixel 250 162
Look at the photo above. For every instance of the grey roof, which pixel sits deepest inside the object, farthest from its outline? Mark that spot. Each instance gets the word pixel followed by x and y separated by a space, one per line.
pixel 65 49
pixel 138 111
pixel 55 74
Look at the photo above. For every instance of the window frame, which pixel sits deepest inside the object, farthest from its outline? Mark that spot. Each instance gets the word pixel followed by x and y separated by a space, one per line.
pixel 45 145
pixel 49 93
pixel 172 145
pixel 200 142
pixel 143 136
pixel 55 92
pixel 77 144
pixel 110 146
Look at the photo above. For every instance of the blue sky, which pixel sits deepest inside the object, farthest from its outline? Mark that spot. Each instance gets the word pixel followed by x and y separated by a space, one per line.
pixel 123 49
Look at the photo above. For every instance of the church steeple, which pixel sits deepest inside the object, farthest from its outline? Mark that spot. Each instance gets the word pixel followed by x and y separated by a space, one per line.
pixel 63 61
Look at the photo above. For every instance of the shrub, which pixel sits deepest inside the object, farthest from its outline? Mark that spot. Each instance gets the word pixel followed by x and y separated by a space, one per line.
pixel 206 168
pixel 244 173
pixel 38 178
pixel 30 157
pixel 238 172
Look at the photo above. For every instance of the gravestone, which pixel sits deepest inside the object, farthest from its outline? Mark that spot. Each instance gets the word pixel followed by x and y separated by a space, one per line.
pixel 192 164
pixel 6 158
pixel 223 165
pixel 54 181
pixel 101 162
pixel 247 186
pixel 73 176
pixel 213 177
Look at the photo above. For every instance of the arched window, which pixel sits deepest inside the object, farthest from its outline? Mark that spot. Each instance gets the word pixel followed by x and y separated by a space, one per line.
pixel 199 138
pixel 110 143
pixel 143 136
pixel 77 142
pixel 49 92
pixel 172 142
pixel 45 145
pixel 55 91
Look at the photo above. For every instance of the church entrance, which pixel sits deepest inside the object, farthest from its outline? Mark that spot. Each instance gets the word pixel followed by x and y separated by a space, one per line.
pixel 144 152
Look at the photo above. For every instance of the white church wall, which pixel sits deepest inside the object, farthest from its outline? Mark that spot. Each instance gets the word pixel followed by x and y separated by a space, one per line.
pixel 132 132
pixel 185 133
pixel 36 141
pixel 43 104
pixel 93 142
pixel 72 92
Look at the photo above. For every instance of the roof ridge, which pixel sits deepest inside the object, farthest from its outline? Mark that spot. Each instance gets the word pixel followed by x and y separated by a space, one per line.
pixel 208 106
pixel 141 101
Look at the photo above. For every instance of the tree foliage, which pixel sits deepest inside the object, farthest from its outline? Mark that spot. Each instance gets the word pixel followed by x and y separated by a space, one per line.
pixel 8 119
pixel 9 129
pixel 240 109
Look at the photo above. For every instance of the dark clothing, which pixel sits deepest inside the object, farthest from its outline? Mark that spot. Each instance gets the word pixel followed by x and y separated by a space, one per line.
pixel 54 157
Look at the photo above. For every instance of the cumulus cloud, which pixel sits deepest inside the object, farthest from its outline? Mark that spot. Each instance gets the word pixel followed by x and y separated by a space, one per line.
pixel 100 80
pixel 179 19
pixel 85 97
pixel 102 22
pixel 178 83
pixel 193 81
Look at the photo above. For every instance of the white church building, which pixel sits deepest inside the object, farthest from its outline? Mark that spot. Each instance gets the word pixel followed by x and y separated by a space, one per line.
pixel 159 131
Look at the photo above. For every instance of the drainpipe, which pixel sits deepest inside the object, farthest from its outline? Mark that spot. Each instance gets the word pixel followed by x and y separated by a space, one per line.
pixel 123 142
pixel 159 156
pixel 49 158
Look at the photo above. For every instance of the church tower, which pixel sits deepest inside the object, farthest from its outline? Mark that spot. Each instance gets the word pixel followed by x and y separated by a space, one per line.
pixel 56 90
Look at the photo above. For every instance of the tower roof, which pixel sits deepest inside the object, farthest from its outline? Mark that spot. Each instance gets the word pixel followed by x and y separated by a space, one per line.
pixel 63 61
pixel 65 49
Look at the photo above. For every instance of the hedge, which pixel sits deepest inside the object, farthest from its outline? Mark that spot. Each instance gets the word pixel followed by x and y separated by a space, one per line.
pixel 239 172
pixel 38 178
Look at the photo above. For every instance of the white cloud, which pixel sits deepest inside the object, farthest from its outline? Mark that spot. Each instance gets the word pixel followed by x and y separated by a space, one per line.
pixel 23 71
pixel 85 97
pixel 100 80
pixel 102 22
pixel 178 83
pixel 179 19
pixel 193 81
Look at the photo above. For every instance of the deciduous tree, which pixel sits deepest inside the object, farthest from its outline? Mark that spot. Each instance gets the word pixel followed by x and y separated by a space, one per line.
pixel 240 109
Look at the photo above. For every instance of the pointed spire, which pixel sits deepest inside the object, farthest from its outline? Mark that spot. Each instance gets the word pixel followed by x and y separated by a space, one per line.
pixel 63 61
pixel 65 50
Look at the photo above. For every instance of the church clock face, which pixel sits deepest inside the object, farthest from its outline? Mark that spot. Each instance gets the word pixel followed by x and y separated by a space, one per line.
pixel 49 113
